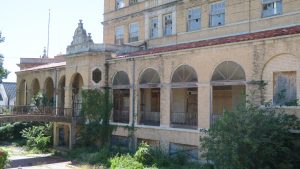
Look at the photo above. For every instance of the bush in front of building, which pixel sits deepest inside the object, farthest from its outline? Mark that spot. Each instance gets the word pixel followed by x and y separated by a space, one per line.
pixel 254 137
pixel 12 131
pixel 38 137
pixel 3 158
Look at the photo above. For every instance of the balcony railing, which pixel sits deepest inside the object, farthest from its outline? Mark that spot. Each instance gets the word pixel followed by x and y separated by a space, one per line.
pixel 184 120
pixel 34 110
pixel 150 118
pixel 121 116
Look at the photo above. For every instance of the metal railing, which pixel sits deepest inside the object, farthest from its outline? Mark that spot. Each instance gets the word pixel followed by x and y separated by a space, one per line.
pixel 121 116
pixel 214 118
pixel 34 110
pixel 150 118
pixel 184 120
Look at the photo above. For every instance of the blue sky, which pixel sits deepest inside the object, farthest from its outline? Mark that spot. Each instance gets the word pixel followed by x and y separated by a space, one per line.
pixel 24 24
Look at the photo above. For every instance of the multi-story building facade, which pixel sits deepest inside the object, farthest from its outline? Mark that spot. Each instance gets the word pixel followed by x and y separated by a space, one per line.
pixel 174 66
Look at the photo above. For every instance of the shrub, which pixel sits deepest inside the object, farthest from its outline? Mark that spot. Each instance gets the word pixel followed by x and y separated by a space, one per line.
pixel 38 137
pixel 143 155
pixel 11 131
pixel 125 162
pixel 253 137
pixel 3 159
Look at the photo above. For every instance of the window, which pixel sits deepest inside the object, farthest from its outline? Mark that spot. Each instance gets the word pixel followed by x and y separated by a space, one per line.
pixel 217 14
pixel 168 24
pixel 191 152
pixel 119 39
pixel 271 7
pixel 194 19
pixel 285 88
pixel 154 27
pixel 132 2
pixel 96 75
pixel 120 4
pixel 133 32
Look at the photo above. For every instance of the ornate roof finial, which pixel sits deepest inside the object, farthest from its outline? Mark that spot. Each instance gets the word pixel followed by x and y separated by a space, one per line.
pixel 44 53
pixel 80 24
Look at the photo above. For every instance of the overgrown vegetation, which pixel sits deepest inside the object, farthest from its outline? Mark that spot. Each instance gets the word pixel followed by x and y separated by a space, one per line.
pixel 41 99
pixel 96 110
pixel 3 158
pixel 38 138
pixel 144 157
pixel 253 137
pixel 12 131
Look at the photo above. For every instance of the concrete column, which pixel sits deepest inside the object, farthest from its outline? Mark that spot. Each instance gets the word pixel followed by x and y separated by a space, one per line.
pixel 55 134
pixel 165 96
pixel 160 25
pixel 204 106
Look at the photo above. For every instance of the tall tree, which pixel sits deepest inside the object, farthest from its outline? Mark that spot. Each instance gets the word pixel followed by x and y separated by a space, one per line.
pixel 3 72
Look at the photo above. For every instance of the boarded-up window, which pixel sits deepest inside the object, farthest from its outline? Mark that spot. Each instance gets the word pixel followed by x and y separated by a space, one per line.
pixel 119 141
pixel 285 90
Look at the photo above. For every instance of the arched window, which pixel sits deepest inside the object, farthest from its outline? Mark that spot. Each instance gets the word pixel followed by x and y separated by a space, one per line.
pixel 228 84
pixel 184 98
pixel 121 95
pixel 228 71
pixel 149 112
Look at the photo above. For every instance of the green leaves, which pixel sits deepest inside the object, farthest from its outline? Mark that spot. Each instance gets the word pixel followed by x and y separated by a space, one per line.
pixel 96 111
pixel 253 137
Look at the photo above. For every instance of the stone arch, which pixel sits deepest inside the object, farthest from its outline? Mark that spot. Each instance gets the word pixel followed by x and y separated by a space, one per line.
pixel 228 71
pixel 120 78
pixel 184 74
pixel 184 98
pixel 49 90
pixel 228 88
pixel 280 73
pixel 76 85
pixel 35 86
pixel 61 94
pixel 22 93
pixel 149 101
pixel 121 97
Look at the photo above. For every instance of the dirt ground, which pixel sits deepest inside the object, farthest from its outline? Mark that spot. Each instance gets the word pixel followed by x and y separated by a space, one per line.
pixel 22 159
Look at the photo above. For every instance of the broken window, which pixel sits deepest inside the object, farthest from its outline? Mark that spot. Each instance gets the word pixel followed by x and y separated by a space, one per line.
pixel 285 88
pixel 168 24
pixel 120 4
pixel 121 95
pixel 133 32
pixel 119 35
pixel 194 20
pixel 184 98
pixel 217 14
pixel 149 98
pixel 271 7
pixel 154 27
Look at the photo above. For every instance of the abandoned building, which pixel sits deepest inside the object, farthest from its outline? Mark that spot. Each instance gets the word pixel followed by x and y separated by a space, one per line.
pixel 174 66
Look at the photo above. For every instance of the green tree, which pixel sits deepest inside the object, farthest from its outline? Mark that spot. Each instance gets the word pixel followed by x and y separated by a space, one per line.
pixel 3 72
pixel 253 137
pixel 96 111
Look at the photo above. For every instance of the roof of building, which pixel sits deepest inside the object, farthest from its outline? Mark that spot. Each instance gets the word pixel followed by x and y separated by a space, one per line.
pixel 10 89
pixel 46 66
pixel 218 41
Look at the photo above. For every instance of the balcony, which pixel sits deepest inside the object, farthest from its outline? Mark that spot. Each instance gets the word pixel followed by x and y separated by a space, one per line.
pixel 184 120
pixel 150 118
pixel 121 116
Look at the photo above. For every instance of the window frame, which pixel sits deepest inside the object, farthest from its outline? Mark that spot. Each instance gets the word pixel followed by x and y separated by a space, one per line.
pixel 188 28
pixel 119 41
pixel 117 4
pixel 211 14
pixel 130 33
pixel 151 28
pixel 165 33
pixel 267 13
pixel 132 2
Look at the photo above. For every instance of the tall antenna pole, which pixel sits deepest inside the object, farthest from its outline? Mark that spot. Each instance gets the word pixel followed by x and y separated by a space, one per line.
pixel 48 34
